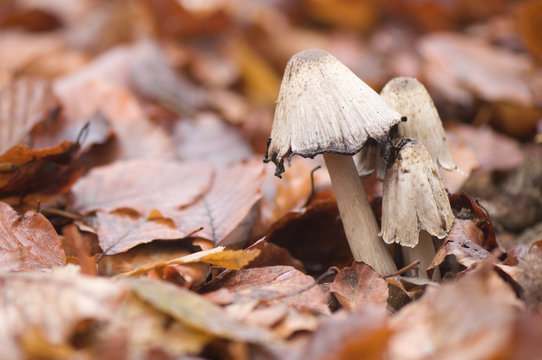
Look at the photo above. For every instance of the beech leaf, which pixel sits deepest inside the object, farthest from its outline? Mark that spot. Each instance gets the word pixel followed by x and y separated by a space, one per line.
pixel 23 104
pixel 195 311
pixel 141 185
pixel 234 192
pixel 29 241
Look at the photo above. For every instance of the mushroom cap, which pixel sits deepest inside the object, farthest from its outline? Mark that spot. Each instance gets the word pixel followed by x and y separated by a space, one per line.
pixel 413 197
pixel 410 98
pixel 323 107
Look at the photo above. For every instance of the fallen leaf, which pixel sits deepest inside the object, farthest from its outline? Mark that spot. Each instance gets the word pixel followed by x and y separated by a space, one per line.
pixel 122 230
pixel 462 242
pixel 272 254
pixel 136 137
pixel 69 298
pixel 261 80
pixel 79 246
pixel 359 286
pixel 143 186
pixel 363 334
pixel 23 104
pixel 493 151
pixel 528 18
pixel 457 65
pixel 467 319
pixel 18 49
pixel 154 78
pixel 30 241
pixel 271 285
pixel 232 259
pixel 189 258
pixel 146 330
pixel 208 138
pixel 196 312
pixel 225 211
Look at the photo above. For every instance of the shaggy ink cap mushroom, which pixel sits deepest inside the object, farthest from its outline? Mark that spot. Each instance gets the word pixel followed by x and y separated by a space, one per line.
pixel 324 108
pixel 414 202
pixel 410 98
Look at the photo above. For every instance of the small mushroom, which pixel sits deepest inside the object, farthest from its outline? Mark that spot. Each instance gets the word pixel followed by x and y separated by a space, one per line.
pixel 414 199
pixel 324 108
pixel 409 97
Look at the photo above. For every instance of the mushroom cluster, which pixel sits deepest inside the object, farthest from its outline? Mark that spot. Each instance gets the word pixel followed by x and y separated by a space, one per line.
pixel 324 108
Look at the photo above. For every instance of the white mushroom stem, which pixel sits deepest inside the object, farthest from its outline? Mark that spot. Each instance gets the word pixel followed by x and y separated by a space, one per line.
pixel 357 216
pixel 423 251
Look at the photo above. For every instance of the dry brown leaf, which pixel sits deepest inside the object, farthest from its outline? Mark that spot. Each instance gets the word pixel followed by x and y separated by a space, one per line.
pixel 144 256
pixel 529 18
pixel 462 242
pixel 232 259
pixel 28 242
pixel 225 211
pixel 95 130
pixel 79 246
pixel 272 254
pixel 266 286
pixel 136 137
pixel 18 49
pixel 144 331
pixel 144 265
pixel 195 311
pixel 122 230
pixel 208 138
pixel 359 286
pixel 69 299
pixel 457 65
pixel 493 151
pixel 23 104
pixel 153 77
pixel 261 79
pixel 467 319
pixel 360 335
pixel 143 186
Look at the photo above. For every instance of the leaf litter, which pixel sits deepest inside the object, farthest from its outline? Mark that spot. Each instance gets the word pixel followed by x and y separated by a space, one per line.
pixel 132 138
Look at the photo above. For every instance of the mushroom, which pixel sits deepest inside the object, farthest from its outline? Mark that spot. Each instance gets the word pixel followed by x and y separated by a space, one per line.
pixel 414 199
pixel 324 108
pixel 410 98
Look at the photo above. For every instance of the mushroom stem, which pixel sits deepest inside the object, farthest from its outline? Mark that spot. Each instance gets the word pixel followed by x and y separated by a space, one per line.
pixel 423 251
pixel 357 216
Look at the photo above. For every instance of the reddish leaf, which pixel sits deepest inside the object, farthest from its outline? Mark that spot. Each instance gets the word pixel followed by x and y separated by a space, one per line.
pixel 272 254
pixel 142 186
pixel 466 208
pixel 467 319
pixel 136 136
pixel 23 104
pixel 226 206
pixel 457 65
pixel 492 150
pixel 121 230
pixel 359 335
pixel 359 286
pixel 271 285
pixel 462 242
pixel 29 241
pixel 529 16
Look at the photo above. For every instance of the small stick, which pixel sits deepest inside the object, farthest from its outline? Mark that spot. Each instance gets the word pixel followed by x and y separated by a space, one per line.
pixel 402 270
